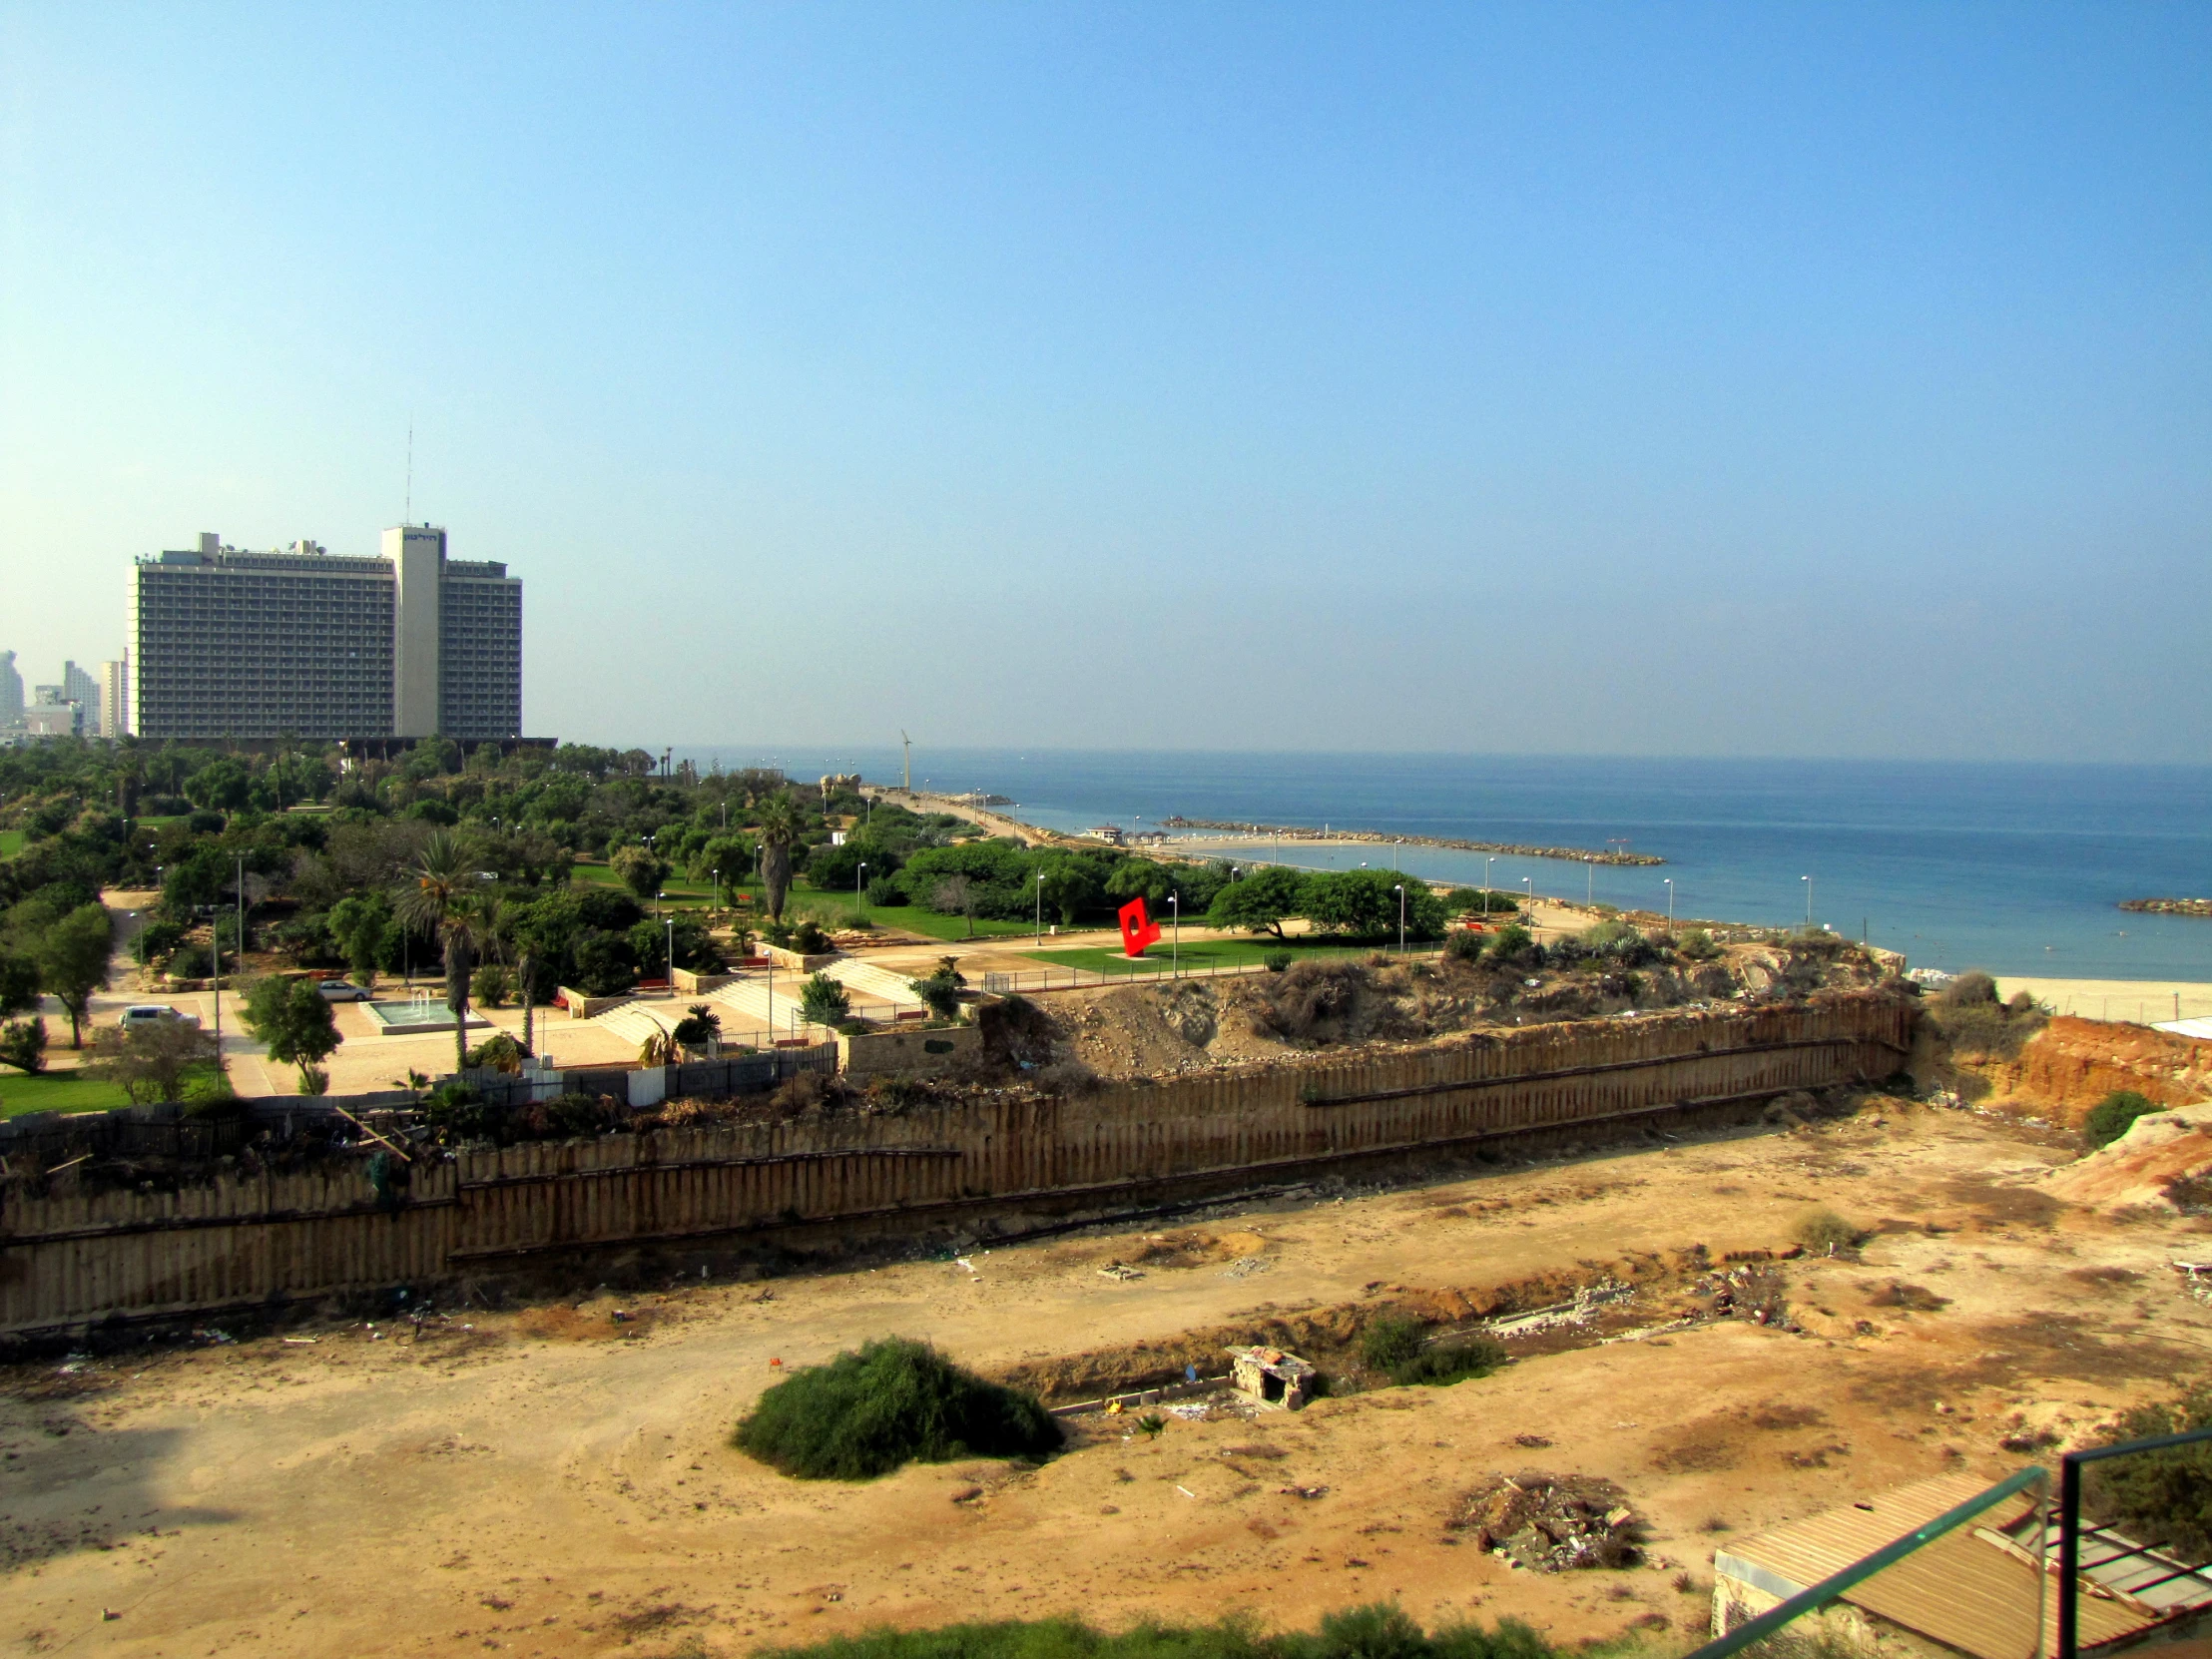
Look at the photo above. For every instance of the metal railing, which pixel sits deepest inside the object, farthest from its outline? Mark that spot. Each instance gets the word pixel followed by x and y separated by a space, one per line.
pixel 1771 1635
pixel 1075 979
pixel 2111 1551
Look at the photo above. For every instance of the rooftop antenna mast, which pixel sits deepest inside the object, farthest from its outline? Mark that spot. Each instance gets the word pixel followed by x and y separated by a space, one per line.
pixel 909 747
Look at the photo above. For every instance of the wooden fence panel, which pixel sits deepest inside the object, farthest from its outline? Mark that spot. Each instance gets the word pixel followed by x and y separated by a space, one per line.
pixel 68 1257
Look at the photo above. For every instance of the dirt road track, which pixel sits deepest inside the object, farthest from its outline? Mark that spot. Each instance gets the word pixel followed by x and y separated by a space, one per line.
pixel 558 1482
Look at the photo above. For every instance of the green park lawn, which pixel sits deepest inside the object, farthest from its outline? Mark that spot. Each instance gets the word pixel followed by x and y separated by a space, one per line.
pixel 11 841
pixel 55 1091
pixel 1200 955
pixel 63 1091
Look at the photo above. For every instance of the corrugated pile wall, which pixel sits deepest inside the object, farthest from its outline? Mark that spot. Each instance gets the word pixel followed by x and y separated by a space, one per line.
pixel 67 1259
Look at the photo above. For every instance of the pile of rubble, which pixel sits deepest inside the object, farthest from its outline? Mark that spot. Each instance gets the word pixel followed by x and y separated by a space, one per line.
pixel 1551 1523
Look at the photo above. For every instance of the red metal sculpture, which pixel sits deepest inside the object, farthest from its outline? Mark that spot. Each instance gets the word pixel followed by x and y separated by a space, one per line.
pixel 1137 928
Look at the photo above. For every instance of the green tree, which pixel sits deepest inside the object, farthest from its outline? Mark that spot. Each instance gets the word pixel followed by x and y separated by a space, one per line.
pixel 956 895
pixel 639 870
pixel 223 785
pixel 73 962
pixel 441 900
pixel 823 1001
pixel 779 828
pixel 295 1020
pixel 18 982
pixel 1072 885
pixel 23 1044
pixel 150 1061
pixel 361 925
pixel 1260 903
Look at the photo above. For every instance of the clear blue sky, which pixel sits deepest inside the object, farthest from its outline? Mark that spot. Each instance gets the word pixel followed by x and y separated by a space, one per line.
pixel 1646 378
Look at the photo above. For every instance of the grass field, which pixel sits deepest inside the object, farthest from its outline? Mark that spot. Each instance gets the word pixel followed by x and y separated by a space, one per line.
pixel 55 1091
pixel 1198 956
pixel 66 1091
pixel 11 843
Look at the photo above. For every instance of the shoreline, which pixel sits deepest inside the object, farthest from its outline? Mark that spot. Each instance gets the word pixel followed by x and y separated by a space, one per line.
pixel 1376 837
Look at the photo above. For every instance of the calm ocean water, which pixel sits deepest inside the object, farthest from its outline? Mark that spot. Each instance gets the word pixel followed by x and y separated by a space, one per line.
pixel 2016 869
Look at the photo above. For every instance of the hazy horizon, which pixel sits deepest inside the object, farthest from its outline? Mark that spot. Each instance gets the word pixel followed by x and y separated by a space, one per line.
pixel 1828 382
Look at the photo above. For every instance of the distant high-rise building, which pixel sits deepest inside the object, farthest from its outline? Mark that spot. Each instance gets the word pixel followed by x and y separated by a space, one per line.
pixel 408 644
pixel 115 696
pixel 11 690
pixel 82 688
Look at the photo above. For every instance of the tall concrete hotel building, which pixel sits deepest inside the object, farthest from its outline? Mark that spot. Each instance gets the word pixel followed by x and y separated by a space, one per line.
pixel 302 643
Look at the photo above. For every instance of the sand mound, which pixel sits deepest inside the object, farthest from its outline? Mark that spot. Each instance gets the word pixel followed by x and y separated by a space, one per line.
pixel 2142 1164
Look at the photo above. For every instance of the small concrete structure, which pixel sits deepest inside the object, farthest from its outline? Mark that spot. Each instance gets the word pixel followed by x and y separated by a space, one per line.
pixel 1269 1376
pixel 921 1053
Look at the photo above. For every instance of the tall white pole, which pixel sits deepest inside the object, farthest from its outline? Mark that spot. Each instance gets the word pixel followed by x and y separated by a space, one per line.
pixel 1807 881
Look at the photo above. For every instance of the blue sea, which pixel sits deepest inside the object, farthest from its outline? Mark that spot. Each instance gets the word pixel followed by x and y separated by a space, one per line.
pixel 2014 869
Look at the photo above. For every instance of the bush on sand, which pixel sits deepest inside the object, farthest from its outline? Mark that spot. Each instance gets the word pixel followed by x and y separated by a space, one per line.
pixel 2115 1114
pixel 895 1401
pixel 1376 1631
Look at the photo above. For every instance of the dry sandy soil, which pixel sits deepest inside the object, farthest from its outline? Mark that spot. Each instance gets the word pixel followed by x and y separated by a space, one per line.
pixel 555 1481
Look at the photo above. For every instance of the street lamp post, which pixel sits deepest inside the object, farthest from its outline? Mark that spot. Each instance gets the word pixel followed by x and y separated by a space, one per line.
pixel 671 956
pixel 1807 881
pixel 1529 882
pixel 1589 882
pixel 1402 918
pixel 1669 881
pixel 1487 861
pixel 1175 947
pixel 856 875
pixel 1041 906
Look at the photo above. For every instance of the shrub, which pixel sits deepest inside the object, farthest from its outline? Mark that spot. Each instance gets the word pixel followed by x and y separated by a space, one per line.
pixel 1698 946
pixel 491 985
pixel 23 1044
pixel 1968 990
pixel 1393 1344
pixel 825 1002
pixel 1825 1233
pixel 1377 1631
pixel 2111 1117
pixel 887 892
pixel 1464 946
pixel 808 939
pixel 1274 961
pixel 497 1052
pixel 1294 1003
pixel 940 990
pixel 2160 1497
pixel 189 961
pixel 1515 947
pixel 1978 1025
pixel 1448 1363
pixel 1391 1341
pixel 894 1402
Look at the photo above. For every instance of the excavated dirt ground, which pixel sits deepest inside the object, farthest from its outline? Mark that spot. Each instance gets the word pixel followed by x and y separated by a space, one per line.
pixel 558 1482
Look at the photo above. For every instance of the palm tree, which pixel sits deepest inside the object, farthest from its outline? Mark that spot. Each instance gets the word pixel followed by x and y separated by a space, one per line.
pixel 779 828
pixel 439 898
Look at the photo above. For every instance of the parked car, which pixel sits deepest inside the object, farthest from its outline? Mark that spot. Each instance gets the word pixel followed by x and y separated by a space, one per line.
pixel 344 990
pixel 140 1014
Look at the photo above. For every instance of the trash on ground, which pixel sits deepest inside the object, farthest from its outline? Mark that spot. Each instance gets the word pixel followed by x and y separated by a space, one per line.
pixel 1551 1523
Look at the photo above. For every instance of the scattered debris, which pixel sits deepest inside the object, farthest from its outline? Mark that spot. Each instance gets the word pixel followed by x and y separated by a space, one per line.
pixel 1303 1491
pixel 1245 1267
pixel 1116 1270
pixel 1551 1523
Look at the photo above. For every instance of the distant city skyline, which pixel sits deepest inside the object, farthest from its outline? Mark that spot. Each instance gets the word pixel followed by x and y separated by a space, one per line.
pixel 1601 379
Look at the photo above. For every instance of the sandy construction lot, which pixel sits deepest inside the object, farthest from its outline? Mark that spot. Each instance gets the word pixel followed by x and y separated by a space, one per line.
pixel 556 1482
